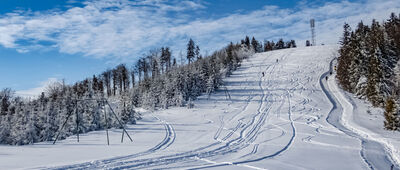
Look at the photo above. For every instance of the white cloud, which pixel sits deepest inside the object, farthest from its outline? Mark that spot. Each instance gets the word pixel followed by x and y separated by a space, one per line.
pixel 125 29
pixel 35 92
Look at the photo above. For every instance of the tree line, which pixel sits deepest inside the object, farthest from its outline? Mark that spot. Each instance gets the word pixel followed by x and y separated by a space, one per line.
pixel 156 80
pixel 368 65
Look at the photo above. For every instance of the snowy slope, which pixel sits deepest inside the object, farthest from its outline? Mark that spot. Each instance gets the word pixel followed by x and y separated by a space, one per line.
pixel 291 118
pixel 367 122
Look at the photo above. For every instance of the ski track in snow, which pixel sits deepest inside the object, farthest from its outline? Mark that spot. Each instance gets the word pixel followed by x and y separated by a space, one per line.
pixel 248 134
pixel 169 138
pixel 368 147
pixel 233 145
pixel 275 116
pixel 335 122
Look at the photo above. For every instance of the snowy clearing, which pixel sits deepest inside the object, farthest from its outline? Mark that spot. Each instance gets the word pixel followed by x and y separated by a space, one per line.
pixel 290 118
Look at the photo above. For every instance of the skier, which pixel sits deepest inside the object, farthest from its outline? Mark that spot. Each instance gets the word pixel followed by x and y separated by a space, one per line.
pixel 326 78
pixel 263 74
pixel 276 60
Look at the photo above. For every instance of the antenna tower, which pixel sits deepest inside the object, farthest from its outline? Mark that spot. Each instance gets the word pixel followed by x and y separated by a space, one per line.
pixel 312 24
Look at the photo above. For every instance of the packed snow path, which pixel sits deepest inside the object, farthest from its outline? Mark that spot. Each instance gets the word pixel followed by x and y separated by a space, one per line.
pixel 375 152
pixel 280 115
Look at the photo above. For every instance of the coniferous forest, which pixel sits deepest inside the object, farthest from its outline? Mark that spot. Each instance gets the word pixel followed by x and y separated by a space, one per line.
pixel 369 66
pixel 156 81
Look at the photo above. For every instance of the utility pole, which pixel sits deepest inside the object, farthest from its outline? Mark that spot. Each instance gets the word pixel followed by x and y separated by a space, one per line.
pixel 312 24
pixel 104 104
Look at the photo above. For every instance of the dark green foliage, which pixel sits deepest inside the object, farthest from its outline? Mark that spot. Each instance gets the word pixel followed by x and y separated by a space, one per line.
pixel 268 46
pixel 280 44
pixel 190 51
pixel 254 44
pixel 344 59
pixel 5 97
pixel 373 80
pixel 368 57
pixel 247 42
pixel 392 119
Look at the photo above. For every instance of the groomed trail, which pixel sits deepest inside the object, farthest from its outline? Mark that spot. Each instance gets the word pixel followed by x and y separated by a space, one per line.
pixel 282 113
pixel 374 153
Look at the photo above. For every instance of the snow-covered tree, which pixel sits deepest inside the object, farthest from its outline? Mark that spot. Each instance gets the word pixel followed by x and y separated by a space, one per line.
pixel 367 64
pixel 392 119
pixel 190 51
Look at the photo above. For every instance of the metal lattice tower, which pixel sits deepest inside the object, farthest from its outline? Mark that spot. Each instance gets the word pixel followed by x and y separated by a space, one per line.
pixel 312 24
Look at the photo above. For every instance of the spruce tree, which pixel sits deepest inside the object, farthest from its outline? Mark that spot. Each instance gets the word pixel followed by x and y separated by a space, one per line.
pixel 197 53
pixel 280 44
pixel 247 42
pixel 344 59
pixel 190 51
pixel 392 120
pixel 254 44
pixel 373 82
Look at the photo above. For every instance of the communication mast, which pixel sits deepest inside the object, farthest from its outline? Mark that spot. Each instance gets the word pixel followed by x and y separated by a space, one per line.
pixel 312 24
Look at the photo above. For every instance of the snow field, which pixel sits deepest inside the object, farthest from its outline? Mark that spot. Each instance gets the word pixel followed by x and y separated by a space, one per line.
pixel 366 128
pixel 282 120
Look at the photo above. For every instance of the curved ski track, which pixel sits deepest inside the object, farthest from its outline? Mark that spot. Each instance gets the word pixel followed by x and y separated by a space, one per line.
pixel 169 139
pixel 248 134
pixel 245 132
pixel 335 122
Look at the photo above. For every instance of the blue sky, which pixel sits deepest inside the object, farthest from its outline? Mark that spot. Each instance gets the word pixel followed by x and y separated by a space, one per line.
pixel 42 41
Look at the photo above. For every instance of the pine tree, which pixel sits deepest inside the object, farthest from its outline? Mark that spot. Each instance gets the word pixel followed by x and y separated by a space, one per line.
pixel 197 53
pixel 361 58
pixel 132 72
pixel 210 85
pixel 5 129
pixel 346 34
pixel 386 61
pixel 167 58
pixel 392 119
pixel 273 45
pixel 247 42
pixel 95 84
pixel 292 44
pixel 254 44
pixel 190 51
pixel 107 81
pixel 354 65
pixel 5 96
pixel 174 64
pixel 280 44
pixel 344 59
pixel 373 80
pixel 155 70
pixel 267 46
pixel 392 29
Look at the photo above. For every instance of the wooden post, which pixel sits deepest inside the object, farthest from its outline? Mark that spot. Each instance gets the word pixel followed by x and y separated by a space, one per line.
pixel 77 120
pixel 62 127
pixel 105 116
pixel 116 117
pixel 122 139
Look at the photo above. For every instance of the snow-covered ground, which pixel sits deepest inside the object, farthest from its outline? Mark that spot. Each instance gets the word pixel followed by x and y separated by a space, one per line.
pixel 290 118
pixel 366 121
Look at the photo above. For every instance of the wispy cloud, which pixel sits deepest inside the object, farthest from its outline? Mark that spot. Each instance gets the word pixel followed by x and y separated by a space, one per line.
pixel 125 29
pixel 35 92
